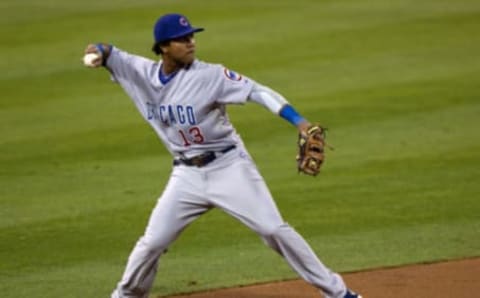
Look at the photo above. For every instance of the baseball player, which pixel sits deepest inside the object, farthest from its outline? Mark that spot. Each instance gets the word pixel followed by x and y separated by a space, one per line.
pixel 184 100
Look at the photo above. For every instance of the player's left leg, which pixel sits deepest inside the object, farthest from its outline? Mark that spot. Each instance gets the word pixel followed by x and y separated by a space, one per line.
pixel 241 191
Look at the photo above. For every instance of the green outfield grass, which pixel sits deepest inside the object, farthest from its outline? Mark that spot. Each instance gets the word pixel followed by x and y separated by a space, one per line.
pixel 397 83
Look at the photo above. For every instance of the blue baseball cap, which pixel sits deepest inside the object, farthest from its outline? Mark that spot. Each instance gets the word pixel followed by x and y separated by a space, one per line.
pixel 171 26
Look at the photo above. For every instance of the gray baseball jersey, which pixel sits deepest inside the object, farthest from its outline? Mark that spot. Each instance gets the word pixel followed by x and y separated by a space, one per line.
pixel 187 113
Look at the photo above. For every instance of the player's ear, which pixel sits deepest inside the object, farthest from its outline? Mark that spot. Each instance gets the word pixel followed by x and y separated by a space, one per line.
pixel 163 48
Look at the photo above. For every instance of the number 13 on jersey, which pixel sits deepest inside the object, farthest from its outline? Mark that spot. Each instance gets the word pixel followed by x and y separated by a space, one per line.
pixel 192 135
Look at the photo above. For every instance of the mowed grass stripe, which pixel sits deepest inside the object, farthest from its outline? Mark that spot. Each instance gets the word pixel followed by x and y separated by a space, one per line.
pixel 396 154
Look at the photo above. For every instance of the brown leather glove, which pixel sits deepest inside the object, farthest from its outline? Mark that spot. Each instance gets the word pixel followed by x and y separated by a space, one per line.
pixel 311 145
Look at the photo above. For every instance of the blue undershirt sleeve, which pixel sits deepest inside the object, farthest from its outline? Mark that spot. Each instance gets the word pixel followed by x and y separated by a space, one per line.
pixel 291 115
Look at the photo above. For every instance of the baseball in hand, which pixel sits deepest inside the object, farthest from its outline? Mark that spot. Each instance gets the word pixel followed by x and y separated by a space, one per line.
pixel 90 59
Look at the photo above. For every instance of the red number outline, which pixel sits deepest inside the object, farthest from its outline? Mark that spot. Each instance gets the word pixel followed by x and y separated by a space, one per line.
pixel 195 135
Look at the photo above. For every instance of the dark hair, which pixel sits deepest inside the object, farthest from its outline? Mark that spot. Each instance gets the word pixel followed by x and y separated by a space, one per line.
pixel 156 48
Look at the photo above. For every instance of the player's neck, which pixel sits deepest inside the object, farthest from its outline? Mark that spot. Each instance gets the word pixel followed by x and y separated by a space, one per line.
pixel 169 67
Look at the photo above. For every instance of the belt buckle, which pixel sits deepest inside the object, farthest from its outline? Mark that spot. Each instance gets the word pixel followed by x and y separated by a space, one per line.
pixel 197 161
pixel 202 159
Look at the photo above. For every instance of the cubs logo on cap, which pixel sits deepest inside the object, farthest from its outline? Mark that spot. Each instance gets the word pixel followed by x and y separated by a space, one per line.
pixel 171 26
pixel 184 22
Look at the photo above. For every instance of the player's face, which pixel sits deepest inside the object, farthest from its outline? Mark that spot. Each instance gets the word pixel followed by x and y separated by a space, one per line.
pixel 180 50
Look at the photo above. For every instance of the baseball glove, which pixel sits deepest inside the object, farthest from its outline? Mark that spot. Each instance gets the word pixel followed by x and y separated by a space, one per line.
pixel 311 144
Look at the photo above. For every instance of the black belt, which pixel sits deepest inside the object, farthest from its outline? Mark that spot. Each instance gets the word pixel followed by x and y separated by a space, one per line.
pixel 202 159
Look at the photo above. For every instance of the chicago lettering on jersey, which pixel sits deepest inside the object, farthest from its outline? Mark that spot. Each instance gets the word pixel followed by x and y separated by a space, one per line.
pixel 171 114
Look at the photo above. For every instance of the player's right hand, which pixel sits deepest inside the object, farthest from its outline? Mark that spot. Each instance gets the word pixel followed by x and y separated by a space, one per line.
pixel 95 60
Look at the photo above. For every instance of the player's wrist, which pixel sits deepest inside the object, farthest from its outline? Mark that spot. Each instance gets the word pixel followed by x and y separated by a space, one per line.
pixel 104 50
pixel 303 126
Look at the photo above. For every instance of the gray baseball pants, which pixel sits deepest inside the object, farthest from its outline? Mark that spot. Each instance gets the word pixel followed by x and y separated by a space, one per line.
pixel 233 184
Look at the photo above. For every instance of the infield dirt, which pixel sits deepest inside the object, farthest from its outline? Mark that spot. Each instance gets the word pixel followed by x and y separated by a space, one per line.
pixel 453 279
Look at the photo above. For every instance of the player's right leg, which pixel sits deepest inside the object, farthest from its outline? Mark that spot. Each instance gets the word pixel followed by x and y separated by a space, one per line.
pixel 178 206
